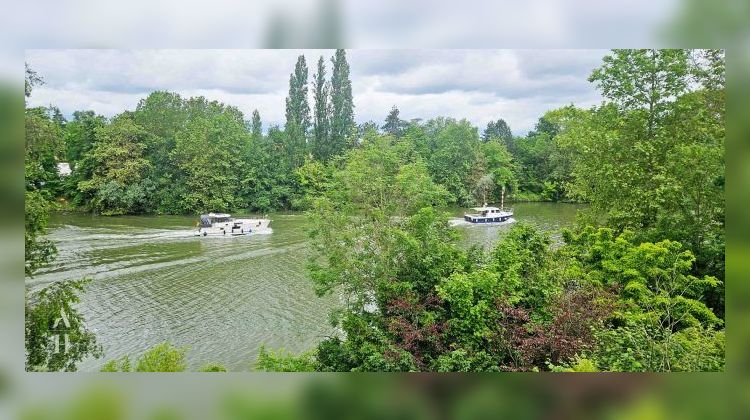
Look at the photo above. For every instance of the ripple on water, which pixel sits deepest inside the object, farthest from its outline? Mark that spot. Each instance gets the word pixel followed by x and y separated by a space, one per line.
pixel 223 297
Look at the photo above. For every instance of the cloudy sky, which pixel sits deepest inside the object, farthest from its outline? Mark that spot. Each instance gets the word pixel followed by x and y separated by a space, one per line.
pixel 479 85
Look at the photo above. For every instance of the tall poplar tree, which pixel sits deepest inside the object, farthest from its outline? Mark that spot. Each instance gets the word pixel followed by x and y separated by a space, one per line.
pixel 256 126
pixel 342 104
pixel 297 114
pixel 321 124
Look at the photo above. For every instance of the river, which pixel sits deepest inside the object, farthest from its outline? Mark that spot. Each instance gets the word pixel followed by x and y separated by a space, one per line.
pixel 152 281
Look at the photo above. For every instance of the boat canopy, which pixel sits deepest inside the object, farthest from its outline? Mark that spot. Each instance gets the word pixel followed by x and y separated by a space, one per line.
pixel 208 219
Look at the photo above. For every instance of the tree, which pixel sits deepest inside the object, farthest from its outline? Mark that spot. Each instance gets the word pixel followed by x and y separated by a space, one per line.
pixel 387 269
pixel 342 104
pixel 42 146
pixel 635 158
pixel 393 124
pixel 367 129
pixel 385 176
pixel 522 261
pixel 209 156
pixel 380 180
pixel 545 125
pixel 31 79
pixel 498 130
pixel 451 150
pixel 37 250
pixel 708 67
pixel 645 79
pixel 297 115
pixel 321 139
pixel 162 114
pixel 79 135
pixel 266 184
pixel 256 126
pixel 56 336
pixel 119 184
pixel 484 186
pixel 500 166
pixel 313 178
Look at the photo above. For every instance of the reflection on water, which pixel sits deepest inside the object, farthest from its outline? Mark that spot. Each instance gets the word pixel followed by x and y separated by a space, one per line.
pixel 223 297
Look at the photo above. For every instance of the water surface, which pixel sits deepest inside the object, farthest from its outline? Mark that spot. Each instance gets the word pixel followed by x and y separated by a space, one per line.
pixel 222 297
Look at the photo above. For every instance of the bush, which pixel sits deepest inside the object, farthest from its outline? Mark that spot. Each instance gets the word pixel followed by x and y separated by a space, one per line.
pixel 282 361
pixel 161 358
pixel 213 367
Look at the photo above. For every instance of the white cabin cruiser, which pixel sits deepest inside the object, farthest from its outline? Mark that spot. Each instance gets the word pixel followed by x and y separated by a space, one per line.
pixel 224 224
pixel 487 214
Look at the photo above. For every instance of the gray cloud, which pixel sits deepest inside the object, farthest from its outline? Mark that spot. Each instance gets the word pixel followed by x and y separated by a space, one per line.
pixel 506 74
pixel 479 85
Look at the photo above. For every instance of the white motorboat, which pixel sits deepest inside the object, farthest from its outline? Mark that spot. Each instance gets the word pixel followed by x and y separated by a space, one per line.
pixel 224 224
pixel 487 214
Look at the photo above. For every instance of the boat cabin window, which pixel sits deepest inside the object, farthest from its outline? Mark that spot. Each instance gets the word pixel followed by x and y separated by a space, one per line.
pixel 207 221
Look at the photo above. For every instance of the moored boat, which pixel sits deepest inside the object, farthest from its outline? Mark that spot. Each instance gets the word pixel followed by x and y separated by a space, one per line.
pixel 224 224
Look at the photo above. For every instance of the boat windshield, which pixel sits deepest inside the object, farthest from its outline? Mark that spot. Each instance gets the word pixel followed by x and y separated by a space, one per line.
pixel 208 219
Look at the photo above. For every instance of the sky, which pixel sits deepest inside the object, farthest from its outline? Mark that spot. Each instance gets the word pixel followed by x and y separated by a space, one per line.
pixel 478 85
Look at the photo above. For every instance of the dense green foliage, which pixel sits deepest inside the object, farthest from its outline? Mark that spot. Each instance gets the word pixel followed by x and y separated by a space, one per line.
pixel 189 155
pixel 643 292
pixel 661 322
pixel 179 155
pixel 652 160
pixel 283 361
pixel 637 285
pixel 163 357
pixel 56 336
pixel 38 251
pixel 119 182
pixel 160 358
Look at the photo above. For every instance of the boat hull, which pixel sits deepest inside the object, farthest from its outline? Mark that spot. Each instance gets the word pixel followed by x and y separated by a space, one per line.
pixel 487 219
pixel 236 227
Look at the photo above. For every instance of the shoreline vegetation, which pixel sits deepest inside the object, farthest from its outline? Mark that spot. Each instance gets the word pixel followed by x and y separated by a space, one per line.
pixel 636 285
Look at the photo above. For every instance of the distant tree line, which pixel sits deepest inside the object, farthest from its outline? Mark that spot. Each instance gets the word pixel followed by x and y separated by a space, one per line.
pixel 176 155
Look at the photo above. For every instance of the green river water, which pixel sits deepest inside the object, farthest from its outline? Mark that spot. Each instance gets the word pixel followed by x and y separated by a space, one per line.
pixel 222 297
